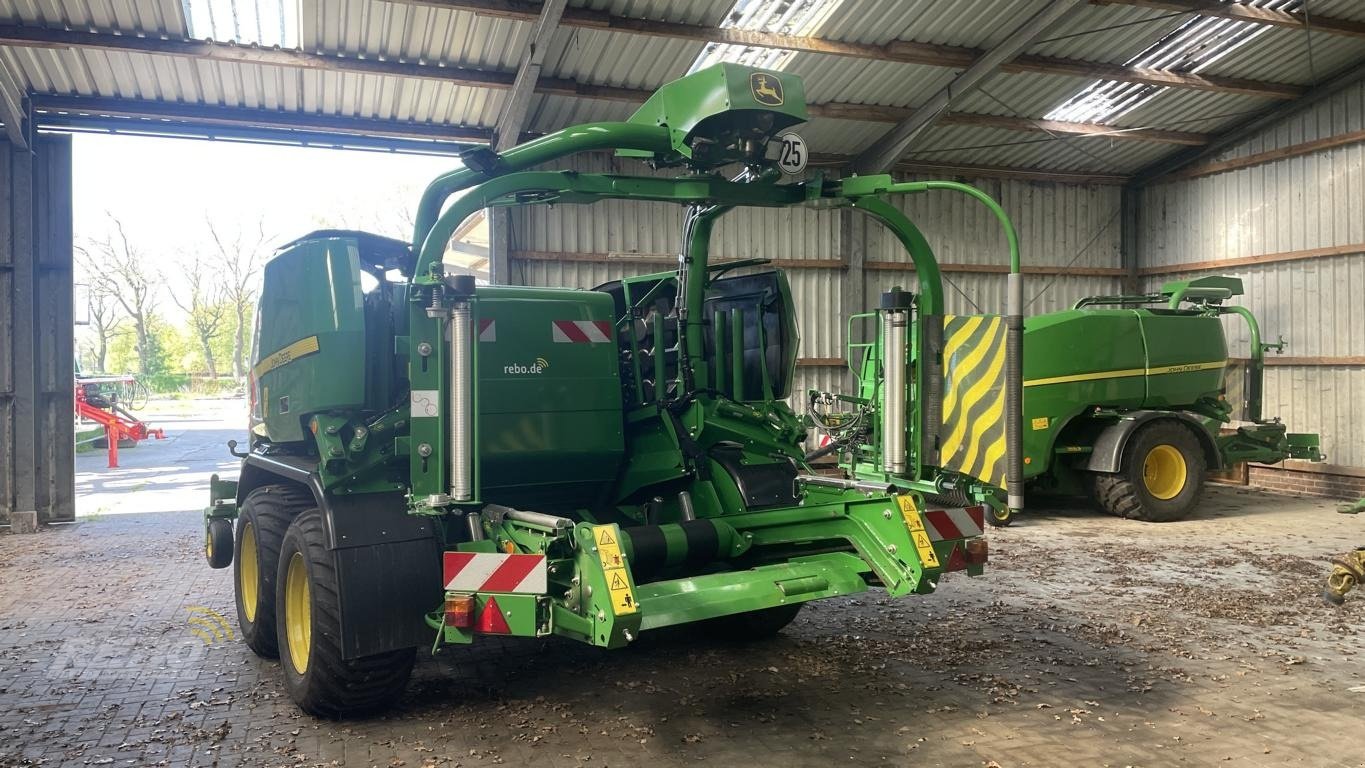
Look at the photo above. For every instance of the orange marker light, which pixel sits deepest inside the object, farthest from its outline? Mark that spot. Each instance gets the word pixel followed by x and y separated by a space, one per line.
pixel 459 611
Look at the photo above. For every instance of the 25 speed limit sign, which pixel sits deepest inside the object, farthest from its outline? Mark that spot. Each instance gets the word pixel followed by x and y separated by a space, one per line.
pixel 791 153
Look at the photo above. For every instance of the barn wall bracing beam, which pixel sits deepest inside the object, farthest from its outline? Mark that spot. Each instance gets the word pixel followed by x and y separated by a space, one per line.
pixel 59 39
pixel 1240 12
pixel 902 51
pixel 512 119
pixel 1245 130
pixel 885 151
pixel 141 114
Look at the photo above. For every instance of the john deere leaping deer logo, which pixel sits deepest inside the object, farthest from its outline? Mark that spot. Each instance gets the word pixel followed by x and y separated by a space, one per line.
pixel 767 89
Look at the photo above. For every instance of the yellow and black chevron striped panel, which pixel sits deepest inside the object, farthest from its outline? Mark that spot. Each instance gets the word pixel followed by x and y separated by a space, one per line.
pixel 973 431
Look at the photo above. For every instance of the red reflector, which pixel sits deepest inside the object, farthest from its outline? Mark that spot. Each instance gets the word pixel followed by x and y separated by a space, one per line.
pixel 459 611
pixel 491 620
pixel 977 551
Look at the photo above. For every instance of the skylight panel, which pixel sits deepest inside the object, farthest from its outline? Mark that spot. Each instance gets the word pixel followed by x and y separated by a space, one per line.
pixel 267 23
pixel 799 18
pixel 1191 48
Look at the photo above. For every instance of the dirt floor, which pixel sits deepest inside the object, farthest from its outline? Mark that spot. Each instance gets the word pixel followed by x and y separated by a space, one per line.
pixel 1090 641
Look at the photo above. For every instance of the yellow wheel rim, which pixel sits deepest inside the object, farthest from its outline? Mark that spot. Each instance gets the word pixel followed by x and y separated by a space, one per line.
pixel 1164 472
pixel 248 574
pixel 208 544
pixel 298 613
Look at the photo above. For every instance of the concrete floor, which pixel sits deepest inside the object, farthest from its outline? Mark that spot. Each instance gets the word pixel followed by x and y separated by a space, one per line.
pixel 1090 641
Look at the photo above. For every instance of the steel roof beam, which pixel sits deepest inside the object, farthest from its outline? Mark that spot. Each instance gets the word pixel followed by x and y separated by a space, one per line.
pixel 902 51
pixel 884 152
pixel 1251 14
pixel 512 119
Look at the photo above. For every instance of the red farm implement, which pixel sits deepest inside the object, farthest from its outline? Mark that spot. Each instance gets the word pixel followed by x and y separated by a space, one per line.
pixel 97 401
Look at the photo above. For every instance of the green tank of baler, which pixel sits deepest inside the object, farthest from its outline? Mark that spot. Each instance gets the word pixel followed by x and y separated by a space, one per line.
pixel 1114 358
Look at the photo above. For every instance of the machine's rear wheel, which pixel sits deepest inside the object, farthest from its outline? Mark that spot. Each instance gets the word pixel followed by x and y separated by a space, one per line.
pixel 755 625
pixel 264 518
pixel 319 680
pixel 1160 478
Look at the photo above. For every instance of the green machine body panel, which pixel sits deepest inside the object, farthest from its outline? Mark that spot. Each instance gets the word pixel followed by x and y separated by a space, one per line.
pixel 713 113
pixel 550 425
pixel 310 322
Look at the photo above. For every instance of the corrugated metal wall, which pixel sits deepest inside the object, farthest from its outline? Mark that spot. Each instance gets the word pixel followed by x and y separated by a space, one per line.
pixel 1060 225
pixel 37 442
pixel 1313 201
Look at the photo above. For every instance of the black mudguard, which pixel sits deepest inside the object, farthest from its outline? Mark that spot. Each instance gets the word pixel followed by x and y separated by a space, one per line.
pixel 388 562
pixel 1107 455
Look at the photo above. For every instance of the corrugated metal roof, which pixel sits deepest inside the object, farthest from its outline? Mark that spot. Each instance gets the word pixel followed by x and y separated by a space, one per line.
pixel 412 32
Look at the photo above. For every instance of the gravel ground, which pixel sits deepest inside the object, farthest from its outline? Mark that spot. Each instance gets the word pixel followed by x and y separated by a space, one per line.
pixel 1090 641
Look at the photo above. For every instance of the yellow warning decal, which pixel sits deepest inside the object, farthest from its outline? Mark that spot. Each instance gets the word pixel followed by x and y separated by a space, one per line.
pixel 614 569
pixel 289 354
pixel 923 546
pixel 1040 423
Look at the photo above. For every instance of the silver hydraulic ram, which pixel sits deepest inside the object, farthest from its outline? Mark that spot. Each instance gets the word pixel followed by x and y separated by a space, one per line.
pixel 895 321
pixel 461 419
pixel 1014 390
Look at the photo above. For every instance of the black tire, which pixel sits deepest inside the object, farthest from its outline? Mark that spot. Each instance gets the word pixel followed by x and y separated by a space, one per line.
pixel 754 625
pixel 999 517
pixel 218 542
pixel 1136 495
pixel 267 510
pixel 328 685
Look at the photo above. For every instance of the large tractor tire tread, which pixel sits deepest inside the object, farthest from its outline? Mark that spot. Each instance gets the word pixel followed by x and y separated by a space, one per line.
pixel 331 686
pixel 1125 493
pixel 269 510
pixel 755 625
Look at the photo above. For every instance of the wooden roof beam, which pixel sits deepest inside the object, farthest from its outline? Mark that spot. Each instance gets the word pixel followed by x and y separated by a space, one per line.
pixel 1251 14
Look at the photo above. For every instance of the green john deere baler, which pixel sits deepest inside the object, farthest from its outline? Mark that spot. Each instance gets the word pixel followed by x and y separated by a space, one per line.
pixel 433 461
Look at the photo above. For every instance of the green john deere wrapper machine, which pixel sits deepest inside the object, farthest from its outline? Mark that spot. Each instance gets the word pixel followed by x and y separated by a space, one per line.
pixel 432 461
pixel 1124 401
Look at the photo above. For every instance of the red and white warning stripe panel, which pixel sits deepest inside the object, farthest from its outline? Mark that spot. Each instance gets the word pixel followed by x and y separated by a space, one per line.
pixel 488 330
pixel 495 572
pixel 580 331
pixel 949 524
